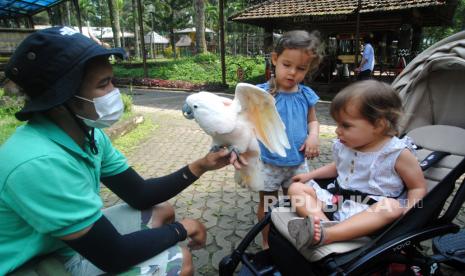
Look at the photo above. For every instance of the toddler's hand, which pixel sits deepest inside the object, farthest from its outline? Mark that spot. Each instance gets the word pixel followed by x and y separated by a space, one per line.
pixel 302 178
pixel 311 147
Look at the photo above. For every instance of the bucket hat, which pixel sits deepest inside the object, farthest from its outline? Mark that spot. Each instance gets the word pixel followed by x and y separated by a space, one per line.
pixel 49 66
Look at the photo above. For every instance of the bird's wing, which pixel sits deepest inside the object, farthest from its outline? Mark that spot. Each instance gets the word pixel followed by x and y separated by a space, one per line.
pixel 259 108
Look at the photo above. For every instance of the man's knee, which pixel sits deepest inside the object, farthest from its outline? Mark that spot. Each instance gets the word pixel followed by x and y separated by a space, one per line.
pixel 166 211
pixel 162 213
pixel 187 265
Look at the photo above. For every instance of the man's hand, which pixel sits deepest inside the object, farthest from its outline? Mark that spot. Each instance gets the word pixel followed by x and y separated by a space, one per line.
pixel 197 233
pixel 217 160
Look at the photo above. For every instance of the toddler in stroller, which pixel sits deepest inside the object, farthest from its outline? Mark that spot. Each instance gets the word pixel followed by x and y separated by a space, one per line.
pixel 377 176
pixel 431 89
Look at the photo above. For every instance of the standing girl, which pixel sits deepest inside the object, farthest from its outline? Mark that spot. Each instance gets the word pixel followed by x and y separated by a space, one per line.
pixel 296 53
pixel 377 176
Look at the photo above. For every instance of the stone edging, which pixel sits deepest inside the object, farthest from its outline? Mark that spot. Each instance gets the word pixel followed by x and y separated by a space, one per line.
pixel 123 127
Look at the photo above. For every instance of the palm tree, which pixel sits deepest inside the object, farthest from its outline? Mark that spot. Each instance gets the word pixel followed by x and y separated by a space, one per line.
pixel 199 18
pixel 211 15
pixel 170 15
pixel 115 25
pixel 88 10
pixel 136 29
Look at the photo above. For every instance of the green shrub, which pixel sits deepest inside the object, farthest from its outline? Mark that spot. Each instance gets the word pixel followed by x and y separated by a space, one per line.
pixel 127 101
pixel 8 107
pixel 206 58
pixel 168 52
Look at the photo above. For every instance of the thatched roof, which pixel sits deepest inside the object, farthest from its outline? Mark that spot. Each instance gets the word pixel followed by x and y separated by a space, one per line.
pixel 326 14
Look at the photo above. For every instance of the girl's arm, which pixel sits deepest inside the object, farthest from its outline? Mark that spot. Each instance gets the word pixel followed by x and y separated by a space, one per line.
pixel 410 172
pixel 327 171
pixel 311 147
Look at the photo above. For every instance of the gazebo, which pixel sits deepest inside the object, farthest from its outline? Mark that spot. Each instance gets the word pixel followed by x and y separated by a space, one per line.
pixel 156 42
pixel 396 25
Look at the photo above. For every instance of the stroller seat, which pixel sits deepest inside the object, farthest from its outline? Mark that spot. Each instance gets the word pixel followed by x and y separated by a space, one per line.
pixel 282 215
pixel 432 138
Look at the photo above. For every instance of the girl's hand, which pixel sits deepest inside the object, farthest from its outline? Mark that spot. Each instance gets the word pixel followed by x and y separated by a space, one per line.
pixel 302 178
pixel 311 147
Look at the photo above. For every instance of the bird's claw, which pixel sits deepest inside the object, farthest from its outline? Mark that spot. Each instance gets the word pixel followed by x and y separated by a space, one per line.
pixel 230 149
pixel 216 148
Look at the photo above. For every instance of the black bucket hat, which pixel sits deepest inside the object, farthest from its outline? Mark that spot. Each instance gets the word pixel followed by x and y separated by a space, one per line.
pixel 49 66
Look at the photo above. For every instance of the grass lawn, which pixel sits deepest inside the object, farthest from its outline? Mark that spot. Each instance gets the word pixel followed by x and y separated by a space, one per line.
pixel 131 140
pixel 204 68
pixel 8 122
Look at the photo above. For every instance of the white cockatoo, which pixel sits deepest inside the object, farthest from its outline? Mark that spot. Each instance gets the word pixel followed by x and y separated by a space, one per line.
pixel 238 123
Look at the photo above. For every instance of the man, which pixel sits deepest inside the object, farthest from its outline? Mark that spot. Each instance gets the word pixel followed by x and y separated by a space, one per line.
pixel 51 169
pixel 367 64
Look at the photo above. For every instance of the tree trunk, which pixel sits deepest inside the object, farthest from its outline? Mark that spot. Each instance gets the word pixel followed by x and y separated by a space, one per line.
pixel 68 13
pixel 136 30
pixel 200 43
pixel 173 43
pixel 114 17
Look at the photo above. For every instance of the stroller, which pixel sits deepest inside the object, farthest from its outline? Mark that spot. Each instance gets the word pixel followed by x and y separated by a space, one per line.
pixel 431 88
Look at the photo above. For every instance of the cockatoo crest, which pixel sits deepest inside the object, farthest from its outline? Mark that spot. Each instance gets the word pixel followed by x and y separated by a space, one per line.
pixel 238 123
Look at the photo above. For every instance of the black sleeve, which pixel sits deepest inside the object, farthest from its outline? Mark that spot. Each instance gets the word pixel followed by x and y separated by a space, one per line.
pixel 142 194
pixel 112 252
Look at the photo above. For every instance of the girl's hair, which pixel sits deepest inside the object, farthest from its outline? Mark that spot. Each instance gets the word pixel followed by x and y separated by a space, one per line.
pixel 375 100
pixel 298 39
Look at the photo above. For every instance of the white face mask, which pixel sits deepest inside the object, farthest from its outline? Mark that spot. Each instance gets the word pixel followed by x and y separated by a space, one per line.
pixel 109 108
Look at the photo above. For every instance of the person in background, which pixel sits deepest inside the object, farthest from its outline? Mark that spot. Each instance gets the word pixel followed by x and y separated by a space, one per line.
pixel 365 69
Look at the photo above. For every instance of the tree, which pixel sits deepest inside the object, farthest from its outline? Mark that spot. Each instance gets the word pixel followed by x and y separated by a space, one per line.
pixel 199 18
pixel 211 15
pixel 136 28
pixel 170 15
pixel 432 35
pixel 89 10
pixel 115 25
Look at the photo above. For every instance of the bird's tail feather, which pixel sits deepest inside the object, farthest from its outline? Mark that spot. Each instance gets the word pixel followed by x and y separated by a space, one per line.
pixel 250 176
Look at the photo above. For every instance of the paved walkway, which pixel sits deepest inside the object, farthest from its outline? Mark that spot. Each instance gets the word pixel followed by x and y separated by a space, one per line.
pixel 227 210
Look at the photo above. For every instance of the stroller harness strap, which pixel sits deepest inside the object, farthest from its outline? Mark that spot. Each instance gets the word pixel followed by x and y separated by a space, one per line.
pixel 341 195
pixel 432 159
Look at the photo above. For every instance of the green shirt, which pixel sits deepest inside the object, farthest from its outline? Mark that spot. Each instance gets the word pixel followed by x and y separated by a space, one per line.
pixel 49 187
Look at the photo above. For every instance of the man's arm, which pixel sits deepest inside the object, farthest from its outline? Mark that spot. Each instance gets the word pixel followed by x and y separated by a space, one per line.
pixel 142 194
pixel 112 252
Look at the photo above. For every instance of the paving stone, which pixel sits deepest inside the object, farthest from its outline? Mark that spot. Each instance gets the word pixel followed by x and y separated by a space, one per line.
pixel 201 258
pixel 211 219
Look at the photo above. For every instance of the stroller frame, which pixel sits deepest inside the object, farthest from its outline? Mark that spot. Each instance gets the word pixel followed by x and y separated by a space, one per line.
pixel 389 247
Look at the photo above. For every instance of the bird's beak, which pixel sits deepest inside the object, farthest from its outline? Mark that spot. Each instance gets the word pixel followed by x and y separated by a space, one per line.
pixel 187 112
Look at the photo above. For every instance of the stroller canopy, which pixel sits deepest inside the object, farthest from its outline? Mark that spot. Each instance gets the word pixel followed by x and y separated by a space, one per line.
pixel 432 86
